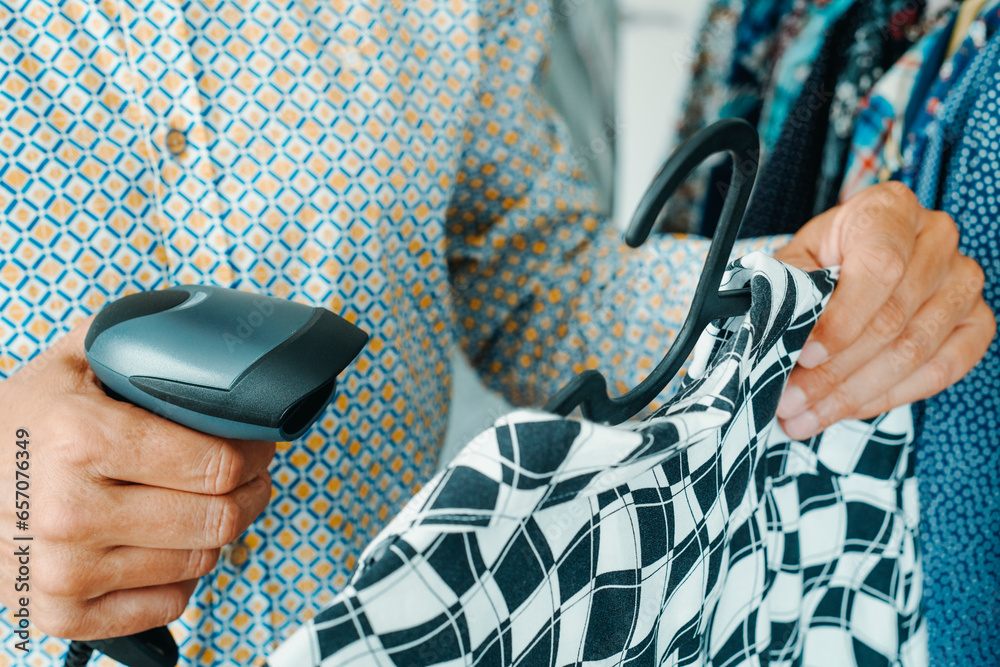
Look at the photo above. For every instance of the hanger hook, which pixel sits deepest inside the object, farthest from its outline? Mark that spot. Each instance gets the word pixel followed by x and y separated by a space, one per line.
pixel 737 137
pixel 734 135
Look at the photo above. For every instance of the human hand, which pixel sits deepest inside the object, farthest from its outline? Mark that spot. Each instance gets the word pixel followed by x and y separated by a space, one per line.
pixel 906 321
pixel 127 509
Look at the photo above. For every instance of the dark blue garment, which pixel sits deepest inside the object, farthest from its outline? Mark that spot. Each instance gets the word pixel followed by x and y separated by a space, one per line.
pixel 958 448
pixel 928 74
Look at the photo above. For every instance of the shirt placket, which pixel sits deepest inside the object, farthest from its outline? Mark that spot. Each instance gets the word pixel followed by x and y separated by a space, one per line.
pixel 180 183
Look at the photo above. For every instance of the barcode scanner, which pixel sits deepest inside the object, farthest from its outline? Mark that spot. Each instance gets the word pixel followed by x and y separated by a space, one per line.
pixel 220 361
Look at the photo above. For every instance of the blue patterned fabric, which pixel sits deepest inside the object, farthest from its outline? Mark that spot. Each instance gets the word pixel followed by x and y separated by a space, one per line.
pixel 756 39
pixel 958 457
pixel 888 29
pixel 775 207
pixel 876 147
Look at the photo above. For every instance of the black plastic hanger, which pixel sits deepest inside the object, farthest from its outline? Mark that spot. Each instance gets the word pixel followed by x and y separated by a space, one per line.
pixel 589 390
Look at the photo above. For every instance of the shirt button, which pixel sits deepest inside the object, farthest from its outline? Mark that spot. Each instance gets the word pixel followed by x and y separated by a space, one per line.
pixel 176 142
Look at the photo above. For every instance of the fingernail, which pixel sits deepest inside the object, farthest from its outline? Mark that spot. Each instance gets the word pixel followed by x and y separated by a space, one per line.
pixel 792 403
pixel 813 354
pixel 802 427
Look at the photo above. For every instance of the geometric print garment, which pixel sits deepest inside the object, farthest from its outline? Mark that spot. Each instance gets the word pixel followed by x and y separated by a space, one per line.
pixel 699 536
pixel 388 160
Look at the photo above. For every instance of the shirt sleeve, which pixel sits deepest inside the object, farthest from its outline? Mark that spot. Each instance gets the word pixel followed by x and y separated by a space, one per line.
pixel 543 287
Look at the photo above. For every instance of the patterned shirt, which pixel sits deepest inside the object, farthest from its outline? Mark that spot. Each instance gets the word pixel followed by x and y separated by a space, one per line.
pixel 701 536
pixel 389 160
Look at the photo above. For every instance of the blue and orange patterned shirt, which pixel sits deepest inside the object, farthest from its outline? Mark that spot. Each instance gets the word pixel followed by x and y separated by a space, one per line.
pixel 388 159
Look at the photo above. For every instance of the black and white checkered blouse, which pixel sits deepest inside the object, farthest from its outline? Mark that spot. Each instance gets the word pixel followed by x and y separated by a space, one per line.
pixel 700 536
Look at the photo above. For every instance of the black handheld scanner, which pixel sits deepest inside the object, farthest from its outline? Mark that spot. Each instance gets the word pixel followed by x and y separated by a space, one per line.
pixel 220 361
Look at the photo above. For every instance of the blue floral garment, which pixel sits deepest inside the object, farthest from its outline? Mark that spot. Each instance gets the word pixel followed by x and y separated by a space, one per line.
pixel 756 40
pixel 888 29
pixel 925 109
pixel 793 67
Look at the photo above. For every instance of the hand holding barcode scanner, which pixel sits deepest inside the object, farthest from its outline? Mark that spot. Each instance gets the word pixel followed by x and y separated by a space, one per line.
pixel 133 498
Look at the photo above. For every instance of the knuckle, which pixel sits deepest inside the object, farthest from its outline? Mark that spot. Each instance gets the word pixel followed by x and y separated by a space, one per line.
pixel 175 601
pixel 72 441
pixel 224 470
pixel 901 195
pixel 977 277
pixel 55 620
pixel 884 261
pixel 52 577
pixel 60 521
pixel 201 562
pixel 875 407
pixel 223 522
pixel 983 313
pixel 137 427
pixel 940 374
pixel 821 380
pixel 911 349
pixel 890 321
pixel 59 627
pixel 948 235
pixel 837 405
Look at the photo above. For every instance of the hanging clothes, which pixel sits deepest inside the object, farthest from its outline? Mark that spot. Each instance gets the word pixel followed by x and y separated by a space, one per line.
pixel 766 26
pixel 956 85
pixel 854 55
pixel 799 47
pixel 882 38
pixel 753 55
pixel 756 40
pixel 957 170
pixel 700 536
pixel 737 80
pixel 876 151
pixel 777 208
pixel 923 96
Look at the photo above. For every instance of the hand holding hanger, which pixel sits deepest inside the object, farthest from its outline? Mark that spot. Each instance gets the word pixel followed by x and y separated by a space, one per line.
pixel 906 321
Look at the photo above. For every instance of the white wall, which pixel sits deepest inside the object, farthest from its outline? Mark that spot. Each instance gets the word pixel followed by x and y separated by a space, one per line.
pixel 655 46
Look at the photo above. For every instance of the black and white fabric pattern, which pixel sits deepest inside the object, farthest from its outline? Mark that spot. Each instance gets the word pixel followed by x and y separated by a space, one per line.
pixel 700 536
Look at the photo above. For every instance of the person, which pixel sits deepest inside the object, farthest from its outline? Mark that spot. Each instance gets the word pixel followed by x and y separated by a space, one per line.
pixel 393 162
